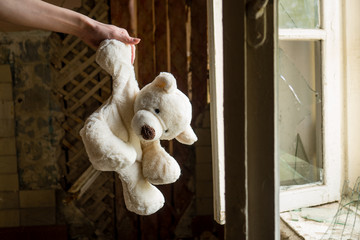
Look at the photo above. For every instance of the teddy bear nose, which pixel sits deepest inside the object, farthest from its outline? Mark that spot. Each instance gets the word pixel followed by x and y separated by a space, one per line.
pixel 147 132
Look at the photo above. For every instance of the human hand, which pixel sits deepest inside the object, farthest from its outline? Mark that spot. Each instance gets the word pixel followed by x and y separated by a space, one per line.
pixel 132 53
pixel 42 15
pixel 95 32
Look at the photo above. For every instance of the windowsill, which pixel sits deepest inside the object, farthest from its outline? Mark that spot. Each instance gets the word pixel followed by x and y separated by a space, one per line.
pixel 308 223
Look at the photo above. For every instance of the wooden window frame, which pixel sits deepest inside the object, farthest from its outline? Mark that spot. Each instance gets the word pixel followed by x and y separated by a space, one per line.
pixel 217 106
pixel 251 182
pixel 332 102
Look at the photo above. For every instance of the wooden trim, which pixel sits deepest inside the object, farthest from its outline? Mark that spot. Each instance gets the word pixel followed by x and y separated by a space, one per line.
pixel 120 14
pixel 177 21
pixel 216 106
pixel 249 114
pixel 146 50
pixel 161 43
pixel 234 118
pixel 302 34
pixel 261 161
pixel 198 63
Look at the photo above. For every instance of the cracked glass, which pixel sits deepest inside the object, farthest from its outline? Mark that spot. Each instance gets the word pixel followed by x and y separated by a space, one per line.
pixel 299 113
pixel 299 14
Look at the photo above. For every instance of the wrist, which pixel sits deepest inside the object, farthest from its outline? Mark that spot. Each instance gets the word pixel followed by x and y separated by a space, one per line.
pixel 85 27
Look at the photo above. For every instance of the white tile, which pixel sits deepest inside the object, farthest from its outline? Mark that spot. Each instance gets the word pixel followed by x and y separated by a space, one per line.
pixel 6 109
pixel 37 198
pixel 37 216
pixel 8 164
pixel 7 128
pixel 6 91
pixel 9 200
pixel 9 218
pixel 9 182
pixel 7 146
pixel 5 74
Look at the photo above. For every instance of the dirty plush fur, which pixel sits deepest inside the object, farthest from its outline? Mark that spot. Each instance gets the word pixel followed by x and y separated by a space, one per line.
pixel 124 134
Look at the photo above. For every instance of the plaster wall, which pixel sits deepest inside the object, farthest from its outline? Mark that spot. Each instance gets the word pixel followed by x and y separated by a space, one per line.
pixel 36 108
pixel 352 90
pixel 30 132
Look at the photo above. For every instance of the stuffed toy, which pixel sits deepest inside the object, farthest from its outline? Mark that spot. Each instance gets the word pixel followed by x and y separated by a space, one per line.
pixel 124 134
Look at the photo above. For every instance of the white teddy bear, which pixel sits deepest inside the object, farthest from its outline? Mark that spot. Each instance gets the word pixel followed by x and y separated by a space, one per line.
pixel 124 134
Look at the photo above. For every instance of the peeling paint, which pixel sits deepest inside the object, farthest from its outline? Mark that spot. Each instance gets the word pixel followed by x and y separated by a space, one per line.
pixel 38 136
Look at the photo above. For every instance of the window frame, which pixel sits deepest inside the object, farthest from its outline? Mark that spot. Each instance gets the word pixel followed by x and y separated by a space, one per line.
pixel 217 106
pixel 332 102
pixel 248 78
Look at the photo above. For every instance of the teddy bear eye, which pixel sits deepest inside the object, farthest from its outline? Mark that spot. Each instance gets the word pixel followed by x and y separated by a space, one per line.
pixel 166 130
pixel 157 110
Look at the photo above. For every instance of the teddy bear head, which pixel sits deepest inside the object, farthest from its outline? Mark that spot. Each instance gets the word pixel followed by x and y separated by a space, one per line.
pixel 163 112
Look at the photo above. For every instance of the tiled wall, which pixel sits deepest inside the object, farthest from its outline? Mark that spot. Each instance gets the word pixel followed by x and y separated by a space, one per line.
pixel 17 207
pixel 9 179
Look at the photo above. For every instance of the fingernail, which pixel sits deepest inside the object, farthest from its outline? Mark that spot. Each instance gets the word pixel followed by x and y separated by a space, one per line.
pixel 136 39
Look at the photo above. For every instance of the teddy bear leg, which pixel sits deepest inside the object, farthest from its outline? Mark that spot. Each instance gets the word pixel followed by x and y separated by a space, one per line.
pixel 140 196
pixel 158 166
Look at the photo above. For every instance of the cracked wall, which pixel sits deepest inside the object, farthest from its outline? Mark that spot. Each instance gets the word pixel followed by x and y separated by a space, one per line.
pixel 36 108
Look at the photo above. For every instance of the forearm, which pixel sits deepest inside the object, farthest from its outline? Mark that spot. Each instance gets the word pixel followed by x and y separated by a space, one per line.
pixel 41 15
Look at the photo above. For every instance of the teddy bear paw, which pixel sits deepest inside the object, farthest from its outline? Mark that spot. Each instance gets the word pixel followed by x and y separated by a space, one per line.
pixel 160 168
pixel 143 199
pixel 111 53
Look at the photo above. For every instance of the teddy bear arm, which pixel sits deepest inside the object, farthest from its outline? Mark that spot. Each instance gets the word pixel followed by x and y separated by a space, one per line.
pixel 106 151
pixel 115 58
pixel 110 162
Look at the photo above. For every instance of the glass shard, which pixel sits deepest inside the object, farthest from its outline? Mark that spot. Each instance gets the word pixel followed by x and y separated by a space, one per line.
pixel 346 222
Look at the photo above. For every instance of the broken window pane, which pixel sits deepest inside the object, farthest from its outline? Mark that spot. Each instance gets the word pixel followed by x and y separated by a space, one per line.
pixel 299 112
pixel 346 222
pixel 299 14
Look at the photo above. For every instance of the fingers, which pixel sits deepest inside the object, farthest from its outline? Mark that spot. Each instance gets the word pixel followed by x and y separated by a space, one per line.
pixel 121 34
pixel 132 53
pixel 135 40
pixel 130 40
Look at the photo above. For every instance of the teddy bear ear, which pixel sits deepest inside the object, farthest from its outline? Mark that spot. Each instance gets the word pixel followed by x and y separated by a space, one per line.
pixel 165 81
pixel 187 137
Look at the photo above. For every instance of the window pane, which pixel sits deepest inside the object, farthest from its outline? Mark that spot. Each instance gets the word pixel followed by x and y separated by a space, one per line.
pixel 299 14
pixel 299 112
